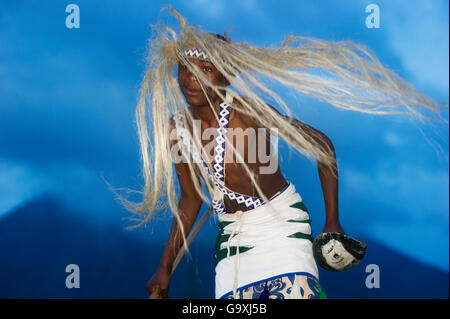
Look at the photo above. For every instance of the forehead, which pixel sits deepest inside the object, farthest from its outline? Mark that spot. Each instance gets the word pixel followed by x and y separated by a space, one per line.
pixel 200 61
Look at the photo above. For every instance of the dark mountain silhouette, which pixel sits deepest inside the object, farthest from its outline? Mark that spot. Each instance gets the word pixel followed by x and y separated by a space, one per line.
pixel 39 239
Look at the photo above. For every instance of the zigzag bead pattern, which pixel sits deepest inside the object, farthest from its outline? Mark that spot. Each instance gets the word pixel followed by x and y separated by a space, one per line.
pixel 196 53
pixel 219 169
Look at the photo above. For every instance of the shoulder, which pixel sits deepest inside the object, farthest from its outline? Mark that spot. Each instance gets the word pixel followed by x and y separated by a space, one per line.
pixel 177 118
pixel 242 118
pixel 176 126
pixel 254 119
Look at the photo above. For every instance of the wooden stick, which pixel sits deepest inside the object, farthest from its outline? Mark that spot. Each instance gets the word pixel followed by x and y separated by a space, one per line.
pixel 155 293
pixel 182 251
pixel 190 238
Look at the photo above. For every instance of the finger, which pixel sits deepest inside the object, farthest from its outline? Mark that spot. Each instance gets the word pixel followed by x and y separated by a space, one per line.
pixel 155 292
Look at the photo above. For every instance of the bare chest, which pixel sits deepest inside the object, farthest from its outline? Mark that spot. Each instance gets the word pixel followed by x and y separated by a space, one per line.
pixel 241 145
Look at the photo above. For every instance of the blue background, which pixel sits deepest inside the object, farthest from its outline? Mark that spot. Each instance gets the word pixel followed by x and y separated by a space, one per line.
pixel 67 100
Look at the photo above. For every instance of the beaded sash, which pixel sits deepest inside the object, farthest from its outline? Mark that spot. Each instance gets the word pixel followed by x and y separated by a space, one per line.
pixel 219 163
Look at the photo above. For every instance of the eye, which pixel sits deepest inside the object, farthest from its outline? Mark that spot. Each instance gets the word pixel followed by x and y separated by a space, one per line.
pixel 182 66
pixel 207 69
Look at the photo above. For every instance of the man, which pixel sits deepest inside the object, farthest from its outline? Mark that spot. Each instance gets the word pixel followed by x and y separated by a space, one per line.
pixel 264 248
pixel 271 184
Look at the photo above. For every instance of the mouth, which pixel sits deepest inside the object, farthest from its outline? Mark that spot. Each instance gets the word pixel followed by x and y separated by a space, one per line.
pixel 192 92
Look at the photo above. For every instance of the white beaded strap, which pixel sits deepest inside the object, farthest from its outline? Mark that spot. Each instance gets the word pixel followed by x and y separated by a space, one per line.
pixel 219 169
pixel 196 53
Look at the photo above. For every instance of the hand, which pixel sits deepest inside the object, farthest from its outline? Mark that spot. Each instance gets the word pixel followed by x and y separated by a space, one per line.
pixel 333 228
pixel 160 279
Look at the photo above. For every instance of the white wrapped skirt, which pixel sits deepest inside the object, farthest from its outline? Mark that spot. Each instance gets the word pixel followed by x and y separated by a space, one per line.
pixel 270 241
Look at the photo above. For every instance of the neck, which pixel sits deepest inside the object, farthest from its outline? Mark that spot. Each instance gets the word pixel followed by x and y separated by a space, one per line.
pixel 205 113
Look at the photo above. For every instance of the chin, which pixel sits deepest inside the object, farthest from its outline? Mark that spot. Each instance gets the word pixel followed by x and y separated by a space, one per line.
pixel 195 100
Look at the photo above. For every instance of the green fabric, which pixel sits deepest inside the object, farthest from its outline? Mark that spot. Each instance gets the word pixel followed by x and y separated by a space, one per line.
pixel 322 294
pixel 302 236
pixel 300 205
pixel 222 253
pixel 299 221
pixel 222 238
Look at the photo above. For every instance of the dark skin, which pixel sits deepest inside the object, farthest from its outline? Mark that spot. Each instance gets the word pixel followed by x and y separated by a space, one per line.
pixel 236 177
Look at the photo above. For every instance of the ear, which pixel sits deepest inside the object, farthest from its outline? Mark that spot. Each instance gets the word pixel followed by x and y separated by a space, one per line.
pixel 225 81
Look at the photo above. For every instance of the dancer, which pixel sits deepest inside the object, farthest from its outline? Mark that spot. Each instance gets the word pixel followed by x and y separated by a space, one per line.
pixel 264 248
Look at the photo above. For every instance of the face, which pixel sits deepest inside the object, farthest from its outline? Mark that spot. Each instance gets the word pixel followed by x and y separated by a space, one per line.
pixel 190 86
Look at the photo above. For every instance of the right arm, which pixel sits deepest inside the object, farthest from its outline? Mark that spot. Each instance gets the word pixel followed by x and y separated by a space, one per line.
pixel 188 208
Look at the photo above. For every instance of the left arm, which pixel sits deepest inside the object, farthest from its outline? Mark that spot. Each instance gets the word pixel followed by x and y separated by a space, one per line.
pixel 328 180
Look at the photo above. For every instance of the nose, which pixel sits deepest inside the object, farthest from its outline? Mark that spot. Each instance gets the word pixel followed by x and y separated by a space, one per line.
pixel 191 76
